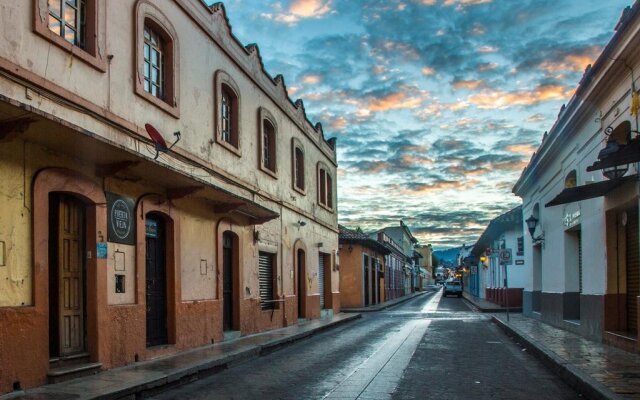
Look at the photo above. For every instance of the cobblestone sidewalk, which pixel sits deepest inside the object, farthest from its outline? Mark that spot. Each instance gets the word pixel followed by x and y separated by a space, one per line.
pixel 597 370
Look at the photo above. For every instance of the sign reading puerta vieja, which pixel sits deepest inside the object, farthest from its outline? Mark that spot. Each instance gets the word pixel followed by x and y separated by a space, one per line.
pixel 120 219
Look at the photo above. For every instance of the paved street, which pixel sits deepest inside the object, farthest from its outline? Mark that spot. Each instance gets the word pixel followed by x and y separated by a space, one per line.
pixel 429 347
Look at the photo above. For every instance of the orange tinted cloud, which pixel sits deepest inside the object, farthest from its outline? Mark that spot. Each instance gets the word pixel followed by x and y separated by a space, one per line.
pixel 525 149
pixel 394 101
pixel 487 67
pixel 427 71
pixel 298 10
pixel 496 99
pixel 465 2
pixel 311 79
pixel 470 85
pixel 339 123
pixel 572 62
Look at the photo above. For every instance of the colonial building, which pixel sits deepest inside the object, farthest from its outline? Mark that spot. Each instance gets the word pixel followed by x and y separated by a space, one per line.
pixel 159 189
pixel 402 236
pixel 486 276
pixel 425 263
pixel 362 269
pixel 580 196
pixel 395 274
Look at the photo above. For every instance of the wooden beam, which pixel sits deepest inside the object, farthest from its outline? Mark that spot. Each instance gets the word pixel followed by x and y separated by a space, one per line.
pixel 226 207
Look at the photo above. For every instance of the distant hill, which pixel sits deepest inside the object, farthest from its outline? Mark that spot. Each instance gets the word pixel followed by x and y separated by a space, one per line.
pixel 448 254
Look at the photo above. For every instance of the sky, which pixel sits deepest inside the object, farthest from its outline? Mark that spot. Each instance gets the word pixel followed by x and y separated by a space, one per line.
pixel 437 105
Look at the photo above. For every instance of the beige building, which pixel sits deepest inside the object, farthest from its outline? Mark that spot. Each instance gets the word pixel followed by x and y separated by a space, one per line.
pixel 119 245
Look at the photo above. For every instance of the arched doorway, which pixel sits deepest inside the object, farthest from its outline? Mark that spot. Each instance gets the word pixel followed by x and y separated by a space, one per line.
pixel 230 280
pixel 302 283
pixel 156 279
pixel 67 276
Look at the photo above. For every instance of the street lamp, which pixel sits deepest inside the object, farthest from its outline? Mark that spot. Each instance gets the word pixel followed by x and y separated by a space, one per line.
pixel 532 223
pixel 614 171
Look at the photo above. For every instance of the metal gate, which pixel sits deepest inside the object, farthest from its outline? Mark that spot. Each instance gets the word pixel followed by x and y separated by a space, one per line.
pixel 321 279
pixel 265 275
pixel 633 272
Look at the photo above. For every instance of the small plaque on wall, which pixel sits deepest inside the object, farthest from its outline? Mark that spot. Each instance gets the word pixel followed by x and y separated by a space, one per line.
pixel 101 250
pixel 120 219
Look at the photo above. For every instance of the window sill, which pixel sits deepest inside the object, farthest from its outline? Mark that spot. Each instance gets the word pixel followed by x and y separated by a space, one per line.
pixel 269 172
pixel 301 191
pixel 96 62
pixel 228 146
pixel 326 207
pixel 164 106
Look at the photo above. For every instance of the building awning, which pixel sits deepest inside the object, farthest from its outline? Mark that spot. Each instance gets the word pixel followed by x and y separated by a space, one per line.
pixel 589 191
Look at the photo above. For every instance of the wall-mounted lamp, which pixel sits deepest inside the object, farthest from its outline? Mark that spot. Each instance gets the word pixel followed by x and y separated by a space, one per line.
pixel 532 223
pixel 320 244
pixel 301 223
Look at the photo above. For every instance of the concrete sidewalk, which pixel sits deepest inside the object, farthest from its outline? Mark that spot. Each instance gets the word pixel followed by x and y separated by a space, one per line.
pixel 596 370
pixel 153 376
pixel 386 304
pixel 485 306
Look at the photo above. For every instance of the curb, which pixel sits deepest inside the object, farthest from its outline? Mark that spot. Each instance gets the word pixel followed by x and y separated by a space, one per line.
pixel 573 376
pixel 499 309
pixel 208 368
pixel 384 306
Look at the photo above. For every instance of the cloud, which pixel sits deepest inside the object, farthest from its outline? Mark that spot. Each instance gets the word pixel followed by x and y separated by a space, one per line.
pixel 536 118
pixel 299 10
pixel 469 85
pixel 311 79
pixel 394 101
pixel 500 99
pixel 427 71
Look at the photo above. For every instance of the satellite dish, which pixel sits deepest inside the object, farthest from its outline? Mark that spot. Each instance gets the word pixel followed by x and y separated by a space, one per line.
pixel 158 140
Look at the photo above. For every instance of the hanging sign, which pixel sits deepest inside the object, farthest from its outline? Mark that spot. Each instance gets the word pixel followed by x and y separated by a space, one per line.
pixel 120 219
pixel 506 257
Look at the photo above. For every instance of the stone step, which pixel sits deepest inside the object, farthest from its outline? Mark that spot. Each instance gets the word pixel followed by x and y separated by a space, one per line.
pixel 66 373
pixel 68 361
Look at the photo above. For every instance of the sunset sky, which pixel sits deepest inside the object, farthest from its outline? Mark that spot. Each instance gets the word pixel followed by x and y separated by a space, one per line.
pixel 437 104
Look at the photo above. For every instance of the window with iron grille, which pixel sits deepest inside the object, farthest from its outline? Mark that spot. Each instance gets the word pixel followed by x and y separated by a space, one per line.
pixel 266 276
pixel 68 19
pixel 154 68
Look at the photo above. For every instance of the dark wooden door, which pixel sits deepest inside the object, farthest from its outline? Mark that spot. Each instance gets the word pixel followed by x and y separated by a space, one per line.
pixel 633 270
pixel 156 280
pixel 302 284
pixel 366 280
pixel 227 281
pixel 70 276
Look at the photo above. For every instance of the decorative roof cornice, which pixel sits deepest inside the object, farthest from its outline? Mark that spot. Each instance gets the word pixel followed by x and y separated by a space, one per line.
pixel 213 20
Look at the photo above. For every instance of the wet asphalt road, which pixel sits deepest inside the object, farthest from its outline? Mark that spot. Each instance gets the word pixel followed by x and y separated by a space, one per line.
pixel 427 348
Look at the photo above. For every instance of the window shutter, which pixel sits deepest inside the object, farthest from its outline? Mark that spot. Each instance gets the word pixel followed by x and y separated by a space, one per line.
pixel 265 274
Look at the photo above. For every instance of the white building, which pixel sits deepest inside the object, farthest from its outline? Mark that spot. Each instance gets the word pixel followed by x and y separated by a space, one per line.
pixel 583 241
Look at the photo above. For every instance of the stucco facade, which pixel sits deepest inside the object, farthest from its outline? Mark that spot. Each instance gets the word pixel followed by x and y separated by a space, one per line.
pixel 582 249
pixel 72 132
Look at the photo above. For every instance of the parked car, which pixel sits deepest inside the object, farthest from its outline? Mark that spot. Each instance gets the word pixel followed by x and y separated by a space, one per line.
pixel 452 287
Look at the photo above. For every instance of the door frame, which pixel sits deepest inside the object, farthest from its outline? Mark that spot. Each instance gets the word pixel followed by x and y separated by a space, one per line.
pixel 235 279
pixel 62 180
pixel 300 271
pixel 228 225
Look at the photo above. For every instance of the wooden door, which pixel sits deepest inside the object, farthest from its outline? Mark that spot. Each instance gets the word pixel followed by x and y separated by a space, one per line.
pixel 156 281
pixel 365 275
pixel 70 263
pixel 227 281
pixel 302 284
pixel 633 270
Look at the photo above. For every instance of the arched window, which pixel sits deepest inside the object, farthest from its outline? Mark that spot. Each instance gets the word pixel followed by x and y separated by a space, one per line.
pixel 267 140
pixel 78 26
pixel 325 187
pixel 157 67
pixel 227 112
pixel 571 180
pixel 297 166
